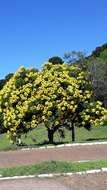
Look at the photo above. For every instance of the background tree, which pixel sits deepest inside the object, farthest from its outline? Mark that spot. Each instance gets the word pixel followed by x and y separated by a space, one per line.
pixel 6 79
pixel 98 52
pixel 73 57
pixel 56 60
pixel 98 76
pixel 76 58
pixel 96 67
pixel 98 73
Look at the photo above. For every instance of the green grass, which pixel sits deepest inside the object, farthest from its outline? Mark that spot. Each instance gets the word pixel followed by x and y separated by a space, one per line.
pixel 52 167
pixel 38 137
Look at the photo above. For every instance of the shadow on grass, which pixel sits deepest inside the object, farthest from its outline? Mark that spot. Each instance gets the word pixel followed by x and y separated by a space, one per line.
pixel 54 143
pixel 96 139
pixel 44 143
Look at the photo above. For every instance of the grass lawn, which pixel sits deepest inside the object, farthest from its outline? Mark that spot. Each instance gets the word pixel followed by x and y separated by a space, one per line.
pixel 38 137
pixel 52 167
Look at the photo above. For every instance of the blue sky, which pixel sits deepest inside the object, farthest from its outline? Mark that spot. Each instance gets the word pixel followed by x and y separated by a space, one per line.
pixel 31 31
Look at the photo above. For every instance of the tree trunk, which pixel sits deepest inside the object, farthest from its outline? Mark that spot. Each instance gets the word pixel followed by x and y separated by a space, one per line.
pixel 50 136
pixel 19 141
pixel 73 133
pixel 72 127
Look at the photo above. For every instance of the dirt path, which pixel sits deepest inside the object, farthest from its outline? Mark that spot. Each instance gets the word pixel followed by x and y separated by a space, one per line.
pixel 19 157
pixel 75 182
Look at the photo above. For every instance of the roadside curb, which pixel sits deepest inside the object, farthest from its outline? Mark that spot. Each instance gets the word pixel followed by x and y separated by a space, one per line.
pixel 51 175
pixel 64 145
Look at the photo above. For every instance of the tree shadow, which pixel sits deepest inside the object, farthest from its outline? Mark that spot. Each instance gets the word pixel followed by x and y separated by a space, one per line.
pixel 96 139
pixel 54 143
pixel 44 143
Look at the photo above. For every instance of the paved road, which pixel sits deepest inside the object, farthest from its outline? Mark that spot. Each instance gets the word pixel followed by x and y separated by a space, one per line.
pixel 19 157
pixel 75 182
pixel 32 184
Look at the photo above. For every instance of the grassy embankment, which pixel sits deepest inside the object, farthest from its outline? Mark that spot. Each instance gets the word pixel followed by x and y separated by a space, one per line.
pixel 38 137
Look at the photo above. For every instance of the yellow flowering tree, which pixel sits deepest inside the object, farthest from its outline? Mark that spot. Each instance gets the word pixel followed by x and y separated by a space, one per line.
pixel 59 96
pixel 14 103
pixel 63 97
